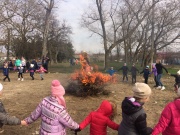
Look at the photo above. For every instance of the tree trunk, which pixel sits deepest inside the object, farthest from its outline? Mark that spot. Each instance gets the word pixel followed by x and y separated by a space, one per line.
pixel 9 42
pixel 46 28
pixel 99 6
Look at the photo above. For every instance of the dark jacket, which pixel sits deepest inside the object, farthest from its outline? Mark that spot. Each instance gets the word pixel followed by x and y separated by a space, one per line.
pixel 124 69
pixel 6 70
pixel 6 119
pixel 177 78
pixel 145 72
pixel 160 68
pixel 134 70
pixel 133 119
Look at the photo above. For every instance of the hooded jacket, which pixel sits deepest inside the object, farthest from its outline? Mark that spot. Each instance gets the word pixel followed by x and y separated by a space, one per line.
pixel 169 122
pixel 99 120
pixel 54 117
pixel 133 119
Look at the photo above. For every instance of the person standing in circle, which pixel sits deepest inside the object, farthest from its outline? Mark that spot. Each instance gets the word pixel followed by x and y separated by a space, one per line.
pixel 160 68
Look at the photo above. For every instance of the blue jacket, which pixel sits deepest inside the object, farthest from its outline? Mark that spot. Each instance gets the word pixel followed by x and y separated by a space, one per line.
pixel 6 70
pixel 146 72
pixel 111 72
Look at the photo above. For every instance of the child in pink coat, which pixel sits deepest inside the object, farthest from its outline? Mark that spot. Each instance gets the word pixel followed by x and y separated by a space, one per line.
pixel 41 72
pixel 53 113
pixel 169 122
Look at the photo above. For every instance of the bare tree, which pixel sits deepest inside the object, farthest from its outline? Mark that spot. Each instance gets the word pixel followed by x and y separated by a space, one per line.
pixel 48 5
pixel 90 20
pixel 59 37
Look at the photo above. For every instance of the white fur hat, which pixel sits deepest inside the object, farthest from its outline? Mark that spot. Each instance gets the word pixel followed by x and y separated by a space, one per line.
pixel 1 87
pixel 178 72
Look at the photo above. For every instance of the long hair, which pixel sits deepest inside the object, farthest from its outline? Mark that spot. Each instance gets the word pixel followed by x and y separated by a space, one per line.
pixel 114 109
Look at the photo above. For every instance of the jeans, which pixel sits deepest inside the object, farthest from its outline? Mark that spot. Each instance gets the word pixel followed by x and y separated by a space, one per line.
pixel 159 80
pixel 155 80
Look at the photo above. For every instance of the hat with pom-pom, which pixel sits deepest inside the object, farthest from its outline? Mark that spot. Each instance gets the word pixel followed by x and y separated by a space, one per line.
pixel 1 87
pixel 57 90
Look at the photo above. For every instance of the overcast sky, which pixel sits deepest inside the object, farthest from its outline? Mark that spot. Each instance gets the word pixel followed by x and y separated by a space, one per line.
pixel 71 11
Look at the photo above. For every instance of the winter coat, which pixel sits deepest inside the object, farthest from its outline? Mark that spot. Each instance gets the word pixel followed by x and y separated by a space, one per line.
pixel 20 69
pixel 160 68
pixel 6 119
pixel 169 122
pixel 133 119
pixel 177 78
pixel 17 62
pixel 31 69
pixel 145 72
pixel 111 72
pixel 41 70
pixel 54 117
pixel 124 69
pixel 99 120
pixel 6 70
pixel 134 70
pixel 154 71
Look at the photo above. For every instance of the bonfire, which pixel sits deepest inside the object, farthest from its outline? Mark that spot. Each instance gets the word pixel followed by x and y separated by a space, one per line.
pixel 88 80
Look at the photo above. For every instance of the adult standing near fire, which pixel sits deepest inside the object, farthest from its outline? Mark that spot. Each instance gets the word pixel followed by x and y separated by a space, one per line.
pixel 160 68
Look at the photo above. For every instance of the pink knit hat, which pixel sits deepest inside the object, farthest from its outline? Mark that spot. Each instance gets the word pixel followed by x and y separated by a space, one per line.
pixel 57 90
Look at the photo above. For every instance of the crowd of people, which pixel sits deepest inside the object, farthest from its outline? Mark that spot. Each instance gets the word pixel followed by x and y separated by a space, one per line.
pixel 157 71
pixel 22 66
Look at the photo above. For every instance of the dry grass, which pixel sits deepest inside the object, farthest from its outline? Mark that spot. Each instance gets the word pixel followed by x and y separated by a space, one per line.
pixel 20 98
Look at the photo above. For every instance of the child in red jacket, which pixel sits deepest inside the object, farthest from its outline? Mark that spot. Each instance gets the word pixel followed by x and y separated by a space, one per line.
pixel 101 118
pixel 169 122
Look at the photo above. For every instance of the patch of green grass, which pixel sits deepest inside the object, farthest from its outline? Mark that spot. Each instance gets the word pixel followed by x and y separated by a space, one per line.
pixel 67 68
pixel 63 68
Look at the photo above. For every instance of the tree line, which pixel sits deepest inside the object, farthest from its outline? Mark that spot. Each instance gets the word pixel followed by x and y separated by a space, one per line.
pixel 139 28
pixel 30 28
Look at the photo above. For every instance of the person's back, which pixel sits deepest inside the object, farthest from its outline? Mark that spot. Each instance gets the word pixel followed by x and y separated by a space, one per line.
pixel 52 110
pixel 99 120
pixel 52 117
pixel 133 115
pixel 130 111
pixel 169 122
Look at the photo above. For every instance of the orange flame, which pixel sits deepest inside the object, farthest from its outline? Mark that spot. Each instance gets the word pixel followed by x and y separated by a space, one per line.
pixel 87 76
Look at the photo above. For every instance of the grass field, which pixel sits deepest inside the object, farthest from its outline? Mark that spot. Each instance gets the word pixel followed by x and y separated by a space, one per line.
pixel 67 68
